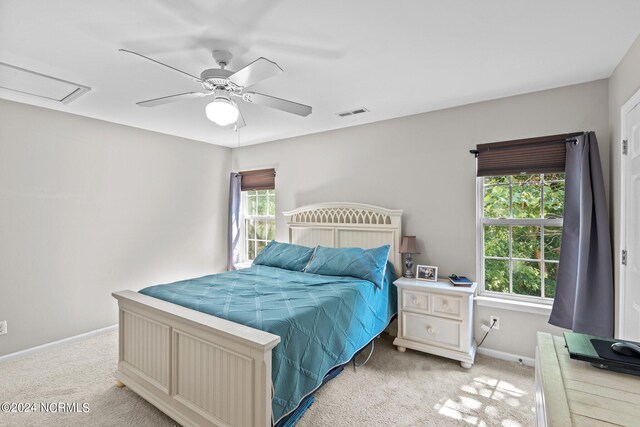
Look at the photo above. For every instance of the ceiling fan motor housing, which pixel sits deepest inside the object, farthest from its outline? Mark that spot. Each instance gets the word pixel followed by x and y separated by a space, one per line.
pixel 221 94
pixel 216 78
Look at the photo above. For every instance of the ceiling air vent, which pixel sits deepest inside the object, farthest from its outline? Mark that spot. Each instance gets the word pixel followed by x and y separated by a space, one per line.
pixel 352 112
pixel 31 83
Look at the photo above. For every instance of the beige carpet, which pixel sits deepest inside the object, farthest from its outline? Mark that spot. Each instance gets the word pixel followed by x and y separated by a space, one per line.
pixel 393 389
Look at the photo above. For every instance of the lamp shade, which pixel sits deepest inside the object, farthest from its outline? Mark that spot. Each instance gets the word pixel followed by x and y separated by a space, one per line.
pixel 222 112
pixel 408 245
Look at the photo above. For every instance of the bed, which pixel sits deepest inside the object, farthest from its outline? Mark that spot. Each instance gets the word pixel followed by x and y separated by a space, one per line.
pixel 202 369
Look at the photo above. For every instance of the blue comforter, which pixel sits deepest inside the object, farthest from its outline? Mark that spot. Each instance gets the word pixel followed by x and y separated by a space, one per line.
pixel 322 320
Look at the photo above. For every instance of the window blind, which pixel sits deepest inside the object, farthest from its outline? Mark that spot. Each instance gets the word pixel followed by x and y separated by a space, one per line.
pixel 545 154
pixel 263 179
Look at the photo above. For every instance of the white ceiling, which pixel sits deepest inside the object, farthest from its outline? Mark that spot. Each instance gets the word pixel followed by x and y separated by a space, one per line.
pixel 395 58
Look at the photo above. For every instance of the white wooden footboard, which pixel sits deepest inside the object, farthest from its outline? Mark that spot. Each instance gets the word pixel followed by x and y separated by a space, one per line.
pixel 198 369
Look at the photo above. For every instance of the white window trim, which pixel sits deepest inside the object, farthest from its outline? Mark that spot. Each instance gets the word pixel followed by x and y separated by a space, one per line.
pixel 242 258
pixel 533 307
pixel 499 299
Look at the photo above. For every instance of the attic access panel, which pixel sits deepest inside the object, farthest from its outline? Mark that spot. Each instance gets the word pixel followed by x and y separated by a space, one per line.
pixel 31 83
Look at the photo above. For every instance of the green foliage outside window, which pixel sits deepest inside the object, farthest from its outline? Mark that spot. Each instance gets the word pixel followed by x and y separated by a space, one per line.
pixel 260 223
pixel 521 257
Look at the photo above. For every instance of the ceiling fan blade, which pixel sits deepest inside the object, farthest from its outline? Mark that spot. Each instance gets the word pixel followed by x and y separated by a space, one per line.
pixel 277 103
pixel 171 98
pixel 164 65
pixel 258 70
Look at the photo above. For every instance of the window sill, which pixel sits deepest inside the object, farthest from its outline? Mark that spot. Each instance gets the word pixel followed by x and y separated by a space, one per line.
pixel 507 304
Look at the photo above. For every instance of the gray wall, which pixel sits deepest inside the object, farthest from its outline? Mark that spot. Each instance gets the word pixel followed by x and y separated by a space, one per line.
pixel 89 207
pixel 623 83
pixel 421 164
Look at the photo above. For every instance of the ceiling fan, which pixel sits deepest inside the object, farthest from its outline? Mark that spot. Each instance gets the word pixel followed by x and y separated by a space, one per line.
pixel 224 85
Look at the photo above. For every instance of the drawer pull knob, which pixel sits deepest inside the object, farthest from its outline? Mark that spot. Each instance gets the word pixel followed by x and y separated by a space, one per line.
pixel 430 330
pixel 416 302
pixel 445 305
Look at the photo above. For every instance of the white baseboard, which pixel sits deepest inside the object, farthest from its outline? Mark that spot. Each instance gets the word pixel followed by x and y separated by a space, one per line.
pixel 529 361
pixel 23 353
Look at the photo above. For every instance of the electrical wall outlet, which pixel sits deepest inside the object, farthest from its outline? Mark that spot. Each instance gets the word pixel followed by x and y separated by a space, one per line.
pixel 497 319
pixel 3 327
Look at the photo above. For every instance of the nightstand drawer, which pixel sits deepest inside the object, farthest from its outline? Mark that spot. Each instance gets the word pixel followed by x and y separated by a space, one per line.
pixel 446 305
pixel 430 329
pixel 415 301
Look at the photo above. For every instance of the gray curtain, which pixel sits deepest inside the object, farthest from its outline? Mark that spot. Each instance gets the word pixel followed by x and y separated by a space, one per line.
pixel 235 220
pixel 584 290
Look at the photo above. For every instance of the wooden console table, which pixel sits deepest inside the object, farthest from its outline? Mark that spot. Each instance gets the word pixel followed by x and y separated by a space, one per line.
pixel 574 393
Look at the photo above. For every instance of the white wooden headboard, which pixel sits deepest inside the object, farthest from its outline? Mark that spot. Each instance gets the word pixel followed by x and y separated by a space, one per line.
pixel 343 225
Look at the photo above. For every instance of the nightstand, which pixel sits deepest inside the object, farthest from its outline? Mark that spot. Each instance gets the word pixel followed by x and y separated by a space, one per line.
pixel 436 318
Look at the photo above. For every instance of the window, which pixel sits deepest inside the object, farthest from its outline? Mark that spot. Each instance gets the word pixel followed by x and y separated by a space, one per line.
pixel 520 230
pixel 259 220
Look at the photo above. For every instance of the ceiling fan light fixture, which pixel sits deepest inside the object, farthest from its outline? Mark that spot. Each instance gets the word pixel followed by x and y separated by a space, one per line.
pixel 222 111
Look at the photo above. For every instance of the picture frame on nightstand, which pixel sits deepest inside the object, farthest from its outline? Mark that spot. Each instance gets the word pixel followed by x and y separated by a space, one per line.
pixel 427 272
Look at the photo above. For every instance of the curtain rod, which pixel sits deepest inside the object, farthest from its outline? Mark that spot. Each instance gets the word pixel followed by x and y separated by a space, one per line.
pixel 569 137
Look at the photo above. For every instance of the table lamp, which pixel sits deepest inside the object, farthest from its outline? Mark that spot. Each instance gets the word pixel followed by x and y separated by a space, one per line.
pixel 408 247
